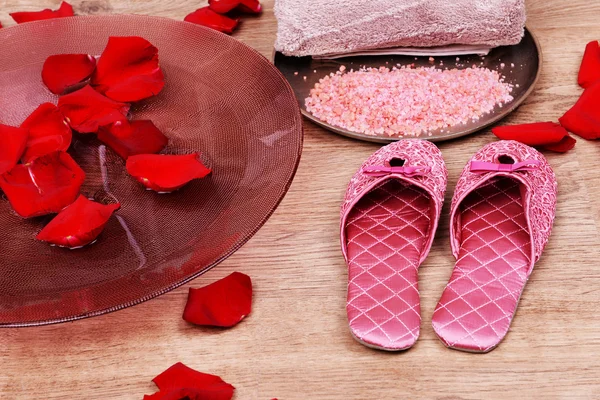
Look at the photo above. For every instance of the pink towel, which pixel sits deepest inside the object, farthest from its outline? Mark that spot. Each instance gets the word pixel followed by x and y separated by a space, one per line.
pixel 318 27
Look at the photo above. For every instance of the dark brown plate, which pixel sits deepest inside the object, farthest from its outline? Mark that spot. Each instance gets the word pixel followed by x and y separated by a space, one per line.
pixel 526 56
pixel 221 97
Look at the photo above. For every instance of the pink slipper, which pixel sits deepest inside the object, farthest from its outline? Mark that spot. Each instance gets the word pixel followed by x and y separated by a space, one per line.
pixel 501 217
pixel 389 217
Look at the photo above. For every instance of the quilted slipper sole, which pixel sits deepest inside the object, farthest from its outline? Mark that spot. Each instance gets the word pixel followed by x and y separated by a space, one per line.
pixel 481 298
pixel 386 232
pixel 474 351
pixel 374 347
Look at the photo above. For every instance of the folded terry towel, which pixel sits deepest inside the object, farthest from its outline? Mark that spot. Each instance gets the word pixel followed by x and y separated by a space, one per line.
pixel 317 27
pixel 450 50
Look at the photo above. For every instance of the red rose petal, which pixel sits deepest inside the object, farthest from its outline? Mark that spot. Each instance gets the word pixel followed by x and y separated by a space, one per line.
pixel 128 70
pixel 62 71
pixel 78 224
pixel 48 132
pixel 86 110
pixel 589 72
pixel 566 144
pixel 212 393
pixel 180 381
pixel 46 185
pixel 545 134
pixel 207 17
pixel 12 145
pixel 224 6
pixel 223 303
pixel 166 173
pixel 180 375
pixel 65 10
pixel 250 6
pixel 133 138
pixel 583 119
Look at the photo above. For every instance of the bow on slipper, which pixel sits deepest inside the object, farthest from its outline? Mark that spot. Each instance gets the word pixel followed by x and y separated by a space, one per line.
pixel 484 166
pixel 381 170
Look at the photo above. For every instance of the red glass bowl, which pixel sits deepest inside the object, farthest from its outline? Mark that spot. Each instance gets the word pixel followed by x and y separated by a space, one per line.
pixel 221 97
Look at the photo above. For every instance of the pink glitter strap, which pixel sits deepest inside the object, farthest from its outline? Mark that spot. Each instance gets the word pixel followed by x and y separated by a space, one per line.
pixel 381 170
pixel 483 166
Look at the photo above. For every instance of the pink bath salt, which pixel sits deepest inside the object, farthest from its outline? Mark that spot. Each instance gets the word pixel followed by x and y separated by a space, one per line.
pixel 406 102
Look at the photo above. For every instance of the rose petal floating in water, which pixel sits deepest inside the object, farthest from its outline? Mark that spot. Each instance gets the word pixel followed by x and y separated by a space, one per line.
pixel 211 19
pixel 223 303
pixel 583 119
pixel 548 135
pixel 128 70
pixel 78 224
pixel 12 145
pixel 181 382
pixel 133 138
pixel 166 173
pixel 63 71
pixel 48 132
pixel 224 6
pixel 45 186
pixel 65 10
pixel 589 72
pixel 86 110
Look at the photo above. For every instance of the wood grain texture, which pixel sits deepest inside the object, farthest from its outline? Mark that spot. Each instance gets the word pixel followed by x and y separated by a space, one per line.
pixel 296 343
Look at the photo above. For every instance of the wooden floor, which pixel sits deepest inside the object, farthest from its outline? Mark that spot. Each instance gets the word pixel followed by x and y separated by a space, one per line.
pixel 296 343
